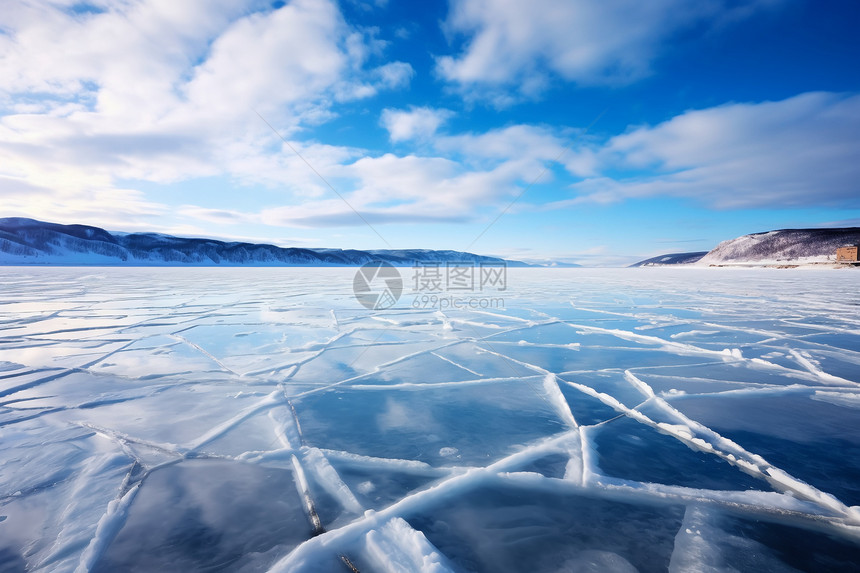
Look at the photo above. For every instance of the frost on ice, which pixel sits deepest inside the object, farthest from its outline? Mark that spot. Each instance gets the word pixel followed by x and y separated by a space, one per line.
pixel 262 420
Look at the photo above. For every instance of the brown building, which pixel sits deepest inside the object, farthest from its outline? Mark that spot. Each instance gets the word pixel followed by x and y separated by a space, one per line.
pixel 846 255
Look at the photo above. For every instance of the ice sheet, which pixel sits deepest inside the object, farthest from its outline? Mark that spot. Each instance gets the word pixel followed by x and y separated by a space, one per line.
pixel 262 420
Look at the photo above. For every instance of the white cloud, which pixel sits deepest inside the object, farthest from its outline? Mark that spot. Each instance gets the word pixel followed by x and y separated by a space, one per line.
pixel 127 56
pixel 401 189
pixel 270 59
pixel 166 91
pixel 417 123
pixel 394 74
pixel 513 143
pixel 801 151
pixel 104 205
pixel 466 176
pixel 218 216
pixel 522 45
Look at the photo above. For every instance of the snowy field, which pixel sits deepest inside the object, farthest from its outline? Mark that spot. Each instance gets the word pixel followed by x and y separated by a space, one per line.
pixel 262 420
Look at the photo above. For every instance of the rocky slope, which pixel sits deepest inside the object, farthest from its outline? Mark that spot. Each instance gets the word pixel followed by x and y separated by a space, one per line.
pixel 786 246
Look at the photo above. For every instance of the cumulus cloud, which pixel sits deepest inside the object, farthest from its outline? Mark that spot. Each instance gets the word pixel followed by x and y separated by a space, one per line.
pixel 463 173
pixel 105 204
pixel 166 91
pixel 116 57
pixel 801 151
pixel 394 74
pixel 522 45
pixel 461 178
pixel 416 123
pixel 514 143
pixel 271 58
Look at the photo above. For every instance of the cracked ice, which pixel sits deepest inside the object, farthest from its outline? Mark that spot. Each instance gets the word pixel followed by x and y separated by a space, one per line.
pixel 262 420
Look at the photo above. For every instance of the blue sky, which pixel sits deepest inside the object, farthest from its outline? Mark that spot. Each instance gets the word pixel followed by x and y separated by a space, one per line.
pixel 602 131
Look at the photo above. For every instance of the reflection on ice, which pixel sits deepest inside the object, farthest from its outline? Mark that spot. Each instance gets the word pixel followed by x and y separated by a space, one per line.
pixel 629 420
pixel 502 528
pixel 420 425
pixel 209 515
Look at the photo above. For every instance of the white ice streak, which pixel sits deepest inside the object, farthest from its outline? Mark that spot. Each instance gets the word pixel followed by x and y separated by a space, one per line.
pixel 644 388
pixel 285 426
pixel 303 557
pixel 273 399
pixel 701 545
pixel 577 469
pixel 693 334
pixel 695 549
pixel 311 350
pixel 124 440
pixel 108 526
pixel 759 505
pixel 727 354
pixel 377 369
pixel 690 433
pixel 815 369
pixel 428 385
pixel 846 399
pixel 557 400
pixel 202 351
pixel 704 439
pixel 679 348
pixel 327 477
pixel 457 364
pixel 395 548
pixel 79 519
pixel 305 494
pixel 413 467
pixel 446 324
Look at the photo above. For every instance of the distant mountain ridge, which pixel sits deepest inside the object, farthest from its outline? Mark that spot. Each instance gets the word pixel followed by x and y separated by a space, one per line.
pixel 28 241
pixel 781 247
pixel 671 259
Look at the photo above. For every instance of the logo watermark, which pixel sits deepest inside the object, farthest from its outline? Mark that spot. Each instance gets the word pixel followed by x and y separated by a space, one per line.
pixel 377 285
pixel 434 301
pixel 436 285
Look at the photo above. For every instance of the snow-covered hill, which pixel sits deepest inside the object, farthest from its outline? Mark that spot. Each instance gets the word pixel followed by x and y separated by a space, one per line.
pixel 787 246
pixel 671 259
pixel 27 241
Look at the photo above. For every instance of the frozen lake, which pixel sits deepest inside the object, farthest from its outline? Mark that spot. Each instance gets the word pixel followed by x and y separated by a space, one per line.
pixel 583 420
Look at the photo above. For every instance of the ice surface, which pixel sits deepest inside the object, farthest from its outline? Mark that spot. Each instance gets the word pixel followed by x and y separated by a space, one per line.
pixel 188 419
